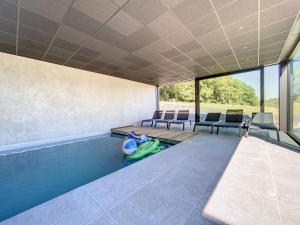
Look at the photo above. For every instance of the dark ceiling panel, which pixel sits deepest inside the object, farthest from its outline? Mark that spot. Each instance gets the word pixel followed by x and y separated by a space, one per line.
pixel 37 21
pixel 8 10
pixel 80 21
pixel 144 36
pixel 34 45
pixel 109 35
pixel 7 48
pixel 35 35
pixel 54 9
pixel 129 44
pixel 74 63
pixel 190 10
pixel 54 59
pixel 8 26
pixel 145 11
pixel 60 43
pixel 171 53
pixel 30 53
pixel 81 58
pixel 60 52
pixel 7 38
pixel 237 10
pixel 204 25
pixel 88 52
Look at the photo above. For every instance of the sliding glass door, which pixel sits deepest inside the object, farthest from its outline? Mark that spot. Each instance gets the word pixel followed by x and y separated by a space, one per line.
pixel 252 91
pixel 238 91
pixel 271 91
pixel 294 106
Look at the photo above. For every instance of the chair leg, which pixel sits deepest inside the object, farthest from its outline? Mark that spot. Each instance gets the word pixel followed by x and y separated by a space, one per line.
pixel 168 125
pixel 218 130
pixel 190 122
pixel 211 128
pixel 194 128
pixel 240 129
pixel 183 126
pixel 151 123
pixel 142 123
pixel 278 137
pixel 155 124
pixel 247 132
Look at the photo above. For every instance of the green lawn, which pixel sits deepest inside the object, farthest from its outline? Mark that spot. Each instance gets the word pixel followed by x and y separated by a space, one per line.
pixel 222 107
pixel 247 108
pixel 215 107
pixel 206 107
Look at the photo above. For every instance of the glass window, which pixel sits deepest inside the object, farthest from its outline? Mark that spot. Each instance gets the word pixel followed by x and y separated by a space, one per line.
pixel 295 92
pixel 238 91
pixel 178 96
pixel 271 91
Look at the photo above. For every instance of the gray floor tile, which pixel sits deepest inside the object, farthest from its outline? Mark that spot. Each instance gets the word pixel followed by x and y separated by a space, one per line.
pixel 286 172
pixel 39 215
pixel 104 220
pixel 196 216
pixel 173 212
pixel 152 206
pixel 184 183
pixel 250 166
pixel 235 206
pixel 5 222
pixel 125 216
pixel 288 191
pixel 73 208
pixel 290 214
pixel 152 196
pixel 255 183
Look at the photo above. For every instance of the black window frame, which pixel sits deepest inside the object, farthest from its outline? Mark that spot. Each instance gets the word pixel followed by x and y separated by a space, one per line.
pixel 262 87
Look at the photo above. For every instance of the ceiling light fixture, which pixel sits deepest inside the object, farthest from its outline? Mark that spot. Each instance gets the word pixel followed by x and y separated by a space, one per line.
pixel 245 47
pixel 241 27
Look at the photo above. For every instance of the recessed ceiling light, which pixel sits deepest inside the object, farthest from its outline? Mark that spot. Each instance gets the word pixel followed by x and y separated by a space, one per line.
pixel 245 47
pixel 241 27
pixel 247 59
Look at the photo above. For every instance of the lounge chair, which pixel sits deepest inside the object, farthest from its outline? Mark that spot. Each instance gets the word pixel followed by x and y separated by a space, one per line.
pixel 169 115
pixel 233 119
pixel 210 121
pixel 156 116
pixel 263 121
pixel 182 117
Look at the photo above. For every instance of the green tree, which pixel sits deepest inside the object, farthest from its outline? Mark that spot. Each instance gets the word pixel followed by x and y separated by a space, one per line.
pixel 178 92
pixel 225 90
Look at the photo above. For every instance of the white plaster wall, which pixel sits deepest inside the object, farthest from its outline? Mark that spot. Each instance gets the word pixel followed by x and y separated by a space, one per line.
pixel 40 100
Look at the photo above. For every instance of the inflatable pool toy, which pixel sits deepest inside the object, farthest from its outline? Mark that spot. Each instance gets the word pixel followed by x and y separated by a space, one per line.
pixel 145 148
pixel 129 146
pixel 138 138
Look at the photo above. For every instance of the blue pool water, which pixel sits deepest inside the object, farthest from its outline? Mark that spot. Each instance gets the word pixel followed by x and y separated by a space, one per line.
pixel 30 178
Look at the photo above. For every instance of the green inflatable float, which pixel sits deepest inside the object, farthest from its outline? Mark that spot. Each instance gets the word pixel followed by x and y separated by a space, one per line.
pixel 146 148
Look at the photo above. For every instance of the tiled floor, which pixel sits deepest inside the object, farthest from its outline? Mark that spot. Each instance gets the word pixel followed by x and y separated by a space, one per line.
pixel 260 186
pixel 168 188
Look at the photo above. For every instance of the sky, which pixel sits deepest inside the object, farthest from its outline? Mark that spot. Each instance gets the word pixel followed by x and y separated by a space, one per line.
pixel 271 81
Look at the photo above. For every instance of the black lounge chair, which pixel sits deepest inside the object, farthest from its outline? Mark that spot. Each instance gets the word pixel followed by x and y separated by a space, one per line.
pixel 210 121
pixel 233 119
pixel 182 117
pixel 156 116
pixel 169 115
pixel 263 121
